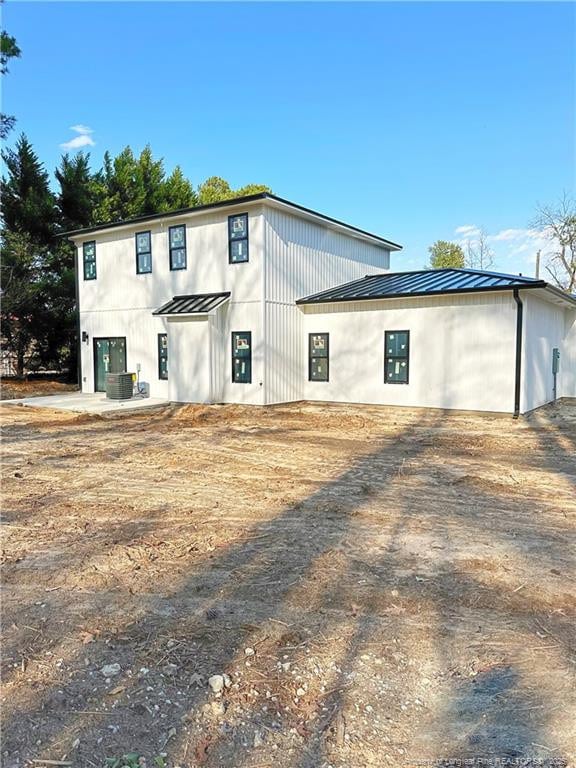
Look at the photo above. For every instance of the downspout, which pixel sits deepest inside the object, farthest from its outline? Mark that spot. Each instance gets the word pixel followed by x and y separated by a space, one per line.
pixel 518 373
pixel 78 332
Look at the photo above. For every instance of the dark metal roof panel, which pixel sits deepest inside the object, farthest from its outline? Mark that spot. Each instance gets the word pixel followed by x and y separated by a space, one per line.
pixel 194 304
pixel 422 283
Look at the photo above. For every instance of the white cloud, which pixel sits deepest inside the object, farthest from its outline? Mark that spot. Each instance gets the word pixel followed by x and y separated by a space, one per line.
pixel 82 140
pixel 514 248
pixel 467 230
pixel 81 128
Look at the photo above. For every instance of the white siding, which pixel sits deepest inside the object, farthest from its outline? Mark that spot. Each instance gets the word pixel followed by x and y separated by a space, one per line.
pixel 462 351
pixel 141 330
pixel 547 326
pixel 120 303
pixel 303 257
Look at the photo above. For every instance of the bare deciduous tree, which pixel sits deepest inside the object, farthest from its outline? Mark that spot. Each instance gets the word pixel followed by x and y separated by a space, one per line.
pixel 479 255
pixel 558 224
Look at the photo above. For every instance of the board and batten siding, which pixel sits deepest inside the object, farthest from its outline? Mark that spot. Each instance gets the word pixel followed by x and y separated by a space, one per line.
pixel 302 258
pixel 462 351
pixel 120 302
pixel 547 326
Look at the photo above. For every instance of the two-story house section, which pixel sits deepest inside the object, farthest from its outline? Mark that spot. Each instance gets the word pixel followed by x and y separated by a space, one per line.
pixel 259 300
pixel 202 302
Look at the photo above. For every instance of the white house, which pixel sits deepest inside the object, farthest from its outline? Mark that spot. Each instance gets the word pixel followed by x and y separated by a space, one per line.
pixel 259 300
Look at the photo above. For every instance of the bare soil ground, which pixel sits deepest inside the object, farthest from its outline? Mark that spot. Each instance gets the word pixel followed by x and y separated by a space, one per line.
pixel 381 587
pixel 12 389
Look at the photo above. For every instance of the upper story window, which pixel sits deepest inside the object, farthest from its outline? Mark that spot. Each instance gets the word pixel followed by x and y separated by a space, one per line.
pixel 238 238
pixel 143 253
pixel 396 357
pixel 318 359
pixel 89 260
pixel 177 245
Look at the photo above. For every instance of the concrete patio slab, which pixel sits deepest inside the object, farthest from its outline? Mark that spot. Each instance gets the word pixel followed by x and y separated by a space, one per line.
pixel 88 403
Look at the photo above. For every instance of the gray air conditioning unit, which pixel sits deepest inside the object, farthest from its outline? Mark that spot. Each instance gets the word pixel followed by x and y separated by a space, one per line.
pixel 119 386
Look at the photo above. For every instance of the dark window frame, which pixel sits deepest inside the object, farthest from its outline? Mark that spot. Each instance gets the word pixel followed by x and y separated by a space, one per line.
pixel 396 358
pixel 143 253
pixel 162 354
pixel 182 247
pixel 89 261
pixel 238 239
pixel 242 357
pixel 311 356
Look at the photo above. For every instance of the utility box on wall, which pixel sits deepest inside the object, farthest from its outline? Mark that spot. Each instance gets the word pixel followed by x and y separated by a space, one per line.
pixel 555 360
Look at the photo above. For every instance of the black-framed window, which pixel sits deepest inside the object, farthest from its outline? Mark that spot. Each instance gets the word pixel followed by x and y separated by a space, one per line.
pixel 177 246
pixel 89 259
pixel 238 238
pixel 143 253
pixel 396 357
pixel 318 356
pixel 162 355
pixel 242 357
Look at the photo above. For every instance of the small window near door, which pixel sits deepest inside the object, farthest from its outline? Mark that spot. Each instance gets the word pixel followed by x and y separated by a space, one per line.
pixel 238 238
pixel 318 356
pixel 162 355
pixel 242 357
pixel 177 244
pixel 396 357
pixel 89 260
pixel 143 253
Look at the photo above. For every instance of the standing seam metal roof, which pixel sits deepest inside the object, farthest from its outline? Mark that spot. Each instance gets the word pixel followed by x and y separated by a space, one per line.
pixel 193 304
pixel 422 283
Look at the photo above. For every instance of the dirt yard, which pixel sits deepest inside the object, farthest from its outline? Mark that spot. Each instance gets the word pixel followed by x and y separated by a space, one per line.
pixel 298 587
pixel 12 389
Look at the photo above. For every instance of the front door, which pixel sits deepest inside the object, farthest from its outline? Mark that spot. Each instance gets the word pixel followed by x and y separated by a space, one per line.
pixel 109 357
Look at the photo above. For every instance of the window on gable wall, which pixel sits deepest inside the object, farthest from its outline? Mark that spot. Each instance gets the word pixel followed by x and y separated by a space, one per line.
pixel 238 238
pixel 396 357
pixel 143 253
pixel 89 260
pixel 177 245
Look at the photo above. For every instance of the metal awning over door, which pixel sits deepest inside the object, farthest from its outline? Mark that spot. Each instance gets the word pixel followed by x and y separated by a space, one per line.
pixel 193 304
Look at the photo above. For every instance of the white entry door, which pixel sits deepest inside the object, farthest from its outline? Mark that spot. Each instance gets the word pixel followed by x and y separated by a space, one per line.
pixel 189 360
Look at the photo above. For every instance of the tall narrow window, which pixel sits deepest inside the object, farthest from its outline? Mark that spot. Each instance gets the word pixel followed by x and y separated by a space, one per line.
pixel 162 355
pixel 89 260
pixel 318 356
pixel 396 357
pixel 238 238
pixel 242 357
pixel 177 243
pixel 143 253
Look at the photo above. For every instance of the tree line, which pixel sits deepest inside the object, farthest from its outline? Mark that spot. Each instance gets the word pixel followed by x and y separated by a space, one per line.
pixel 37 263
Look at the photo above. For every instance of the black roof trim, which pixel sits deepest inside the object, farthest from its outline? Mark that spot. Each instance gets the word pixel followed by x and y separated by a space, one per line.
pixel 430 282
pixel 226 203
pixel 193 304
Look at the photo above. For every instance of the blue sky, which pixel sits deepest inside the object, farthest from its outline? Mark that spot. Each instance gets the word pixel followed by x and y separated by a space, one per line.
pixel 412 120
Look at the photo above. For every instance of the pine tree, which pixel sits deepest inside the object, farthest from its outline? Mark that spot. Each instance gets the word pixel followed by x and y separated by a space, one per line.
pixel 79 191
pixel 8 50
pixel 28 205
pixel 178 192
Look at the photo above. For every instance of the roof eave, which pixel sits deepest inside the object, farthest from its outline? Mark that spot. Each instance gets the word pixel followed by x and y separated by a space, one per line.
pixel 238 201
pixel 418 294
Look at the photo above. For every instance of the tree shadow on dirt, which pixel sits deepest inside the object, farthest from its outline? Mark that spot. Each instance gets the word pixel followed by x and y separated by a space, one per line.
pixel 220 607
